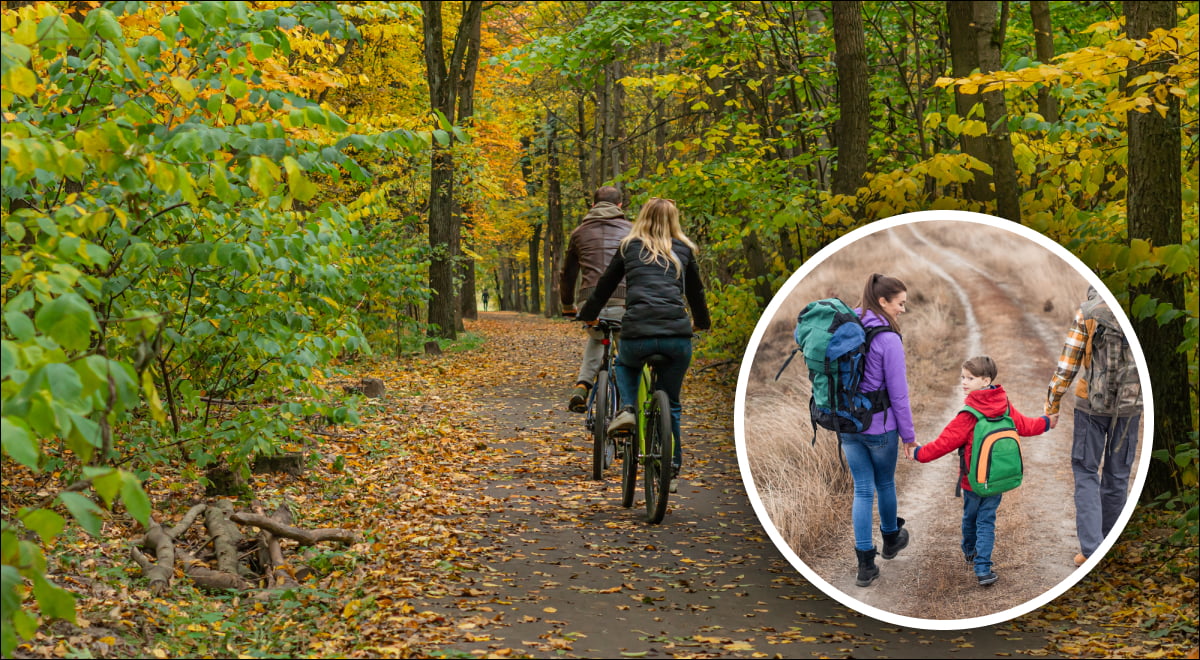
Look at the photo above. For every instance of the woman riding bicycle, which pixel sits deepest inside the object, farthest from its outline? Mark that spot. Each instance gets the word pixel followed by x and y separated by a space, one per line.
pixel 659 266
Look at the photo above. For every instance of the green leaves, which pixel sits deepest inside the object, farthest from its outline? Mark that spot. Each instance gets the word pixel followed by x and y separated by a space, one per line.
pixel 17 442
pixel 69 320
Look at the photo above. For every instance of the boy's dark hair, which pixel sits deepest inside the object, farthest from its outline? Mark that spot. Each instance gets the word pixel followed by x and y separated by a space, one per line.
pixel 981 366
pixel 610 194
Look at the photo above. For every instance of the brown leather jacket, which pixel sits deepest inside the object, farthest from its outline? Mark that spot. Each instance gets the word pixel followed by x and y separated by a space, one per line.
pixel 591 247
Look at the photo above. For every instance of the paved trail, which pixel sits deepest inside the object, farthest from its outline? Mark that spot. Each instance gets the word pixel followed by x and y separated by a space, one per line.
pixel 567 572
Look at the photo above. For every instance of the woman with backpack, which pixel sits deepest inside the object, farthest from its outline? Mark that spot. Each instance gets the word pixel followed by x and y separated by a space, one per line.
pixel 871 455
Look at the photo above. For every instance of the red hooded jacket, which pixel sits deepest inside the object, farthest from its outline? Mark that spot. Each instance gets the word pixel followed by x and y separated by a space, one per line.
pixel 991 401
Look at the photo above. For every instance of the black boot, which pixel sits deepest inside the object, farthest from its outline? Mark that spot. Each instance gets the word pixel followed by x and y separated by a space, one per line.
pixel 867 570
pixel 896 541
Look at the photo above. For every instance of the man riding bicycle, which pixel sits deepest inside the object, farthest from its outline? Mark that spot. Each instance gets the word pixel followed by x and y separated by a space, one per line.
pixel 590 248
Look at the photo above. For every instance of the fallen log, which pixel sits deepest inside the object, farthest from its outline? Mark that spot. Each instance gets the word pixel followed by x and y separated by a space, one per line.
pixel 208 579
pixel 225 536
pixel 305 537
pixel 271 554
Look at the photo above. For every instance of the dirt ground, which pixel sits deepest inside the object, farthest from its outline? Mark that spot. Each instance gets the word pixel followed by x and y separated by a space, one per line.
pixel 570 573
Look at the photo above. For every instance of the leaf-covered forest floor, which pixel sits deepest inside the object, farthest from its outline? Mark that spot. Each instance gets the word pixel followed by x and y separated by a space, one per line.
pixel 481 535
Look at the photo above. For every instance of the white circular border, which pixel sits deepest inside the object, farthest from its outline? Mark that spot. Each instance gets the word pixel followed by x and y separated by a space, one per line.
pixel 739 426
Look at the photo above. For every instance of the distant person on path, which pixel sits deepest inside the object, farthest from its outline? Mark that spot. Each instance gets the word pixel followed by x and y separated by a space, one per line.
pixel 982 394
pixel 871 455
pixel 658 265
pixel 1108 409
pixel 485 300
pixel 589 250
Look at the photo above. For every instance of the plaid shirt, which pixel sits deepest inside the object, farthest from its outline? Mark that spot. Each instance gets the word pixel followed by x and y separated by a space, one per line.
pixel 1068 362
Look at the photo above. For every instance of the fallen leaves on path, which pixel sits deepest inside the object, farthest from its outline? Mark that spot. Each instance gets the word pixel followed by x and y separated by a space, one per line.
pixel 481 536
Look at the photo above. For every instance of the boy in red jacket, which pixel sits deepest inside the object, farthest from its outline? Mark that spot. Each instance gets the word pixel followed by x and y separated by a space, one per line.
pixel 979 513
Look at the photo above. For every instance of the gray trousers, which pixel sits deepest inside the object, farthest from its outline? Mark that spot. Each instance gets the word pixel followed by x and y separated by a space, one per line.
pixel 593 352
pixel 1101 458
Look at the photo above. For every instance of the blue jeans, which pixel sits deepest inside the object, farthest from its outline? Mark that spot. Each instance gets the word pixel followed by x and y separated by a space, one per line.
pixel 1100 491
pixel 633 355
pixel 872 463
pixel 979 529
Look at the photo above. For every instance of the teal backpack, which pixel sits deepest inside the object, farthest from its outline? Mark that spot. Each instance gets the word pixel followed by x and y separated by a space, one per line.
pixel 835 344
pixel 996 464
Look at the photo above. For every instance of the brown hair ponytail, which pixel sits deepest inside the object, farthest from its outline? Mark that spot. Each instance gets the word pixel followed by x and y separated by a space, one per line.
pixel 881 286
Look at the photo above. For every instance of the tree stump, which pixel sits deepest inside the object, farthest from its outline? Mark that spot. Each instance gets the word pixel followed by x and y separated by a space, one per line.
pixel 373 387
pixel 225 481
pixel 288 463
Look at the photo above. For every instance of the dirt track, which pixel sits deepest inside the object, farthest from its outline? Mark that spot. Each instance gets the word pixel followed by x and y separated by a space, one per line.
pixel 1035 528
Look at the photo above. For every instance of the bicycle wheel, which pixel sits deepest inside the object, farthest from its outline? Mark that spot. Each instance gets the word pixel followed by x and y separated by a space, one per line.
pixel 600 422
pixel 629 466
pixel 658 457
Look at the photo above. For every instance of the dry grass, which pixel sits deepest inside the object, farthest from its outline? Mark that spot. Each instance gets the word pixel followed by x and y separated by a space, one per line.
pixel 805 489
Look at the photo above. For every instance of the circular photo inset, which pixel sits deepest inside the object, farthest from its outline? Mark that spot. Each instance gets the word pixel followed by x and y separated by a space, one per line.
pixel 942 420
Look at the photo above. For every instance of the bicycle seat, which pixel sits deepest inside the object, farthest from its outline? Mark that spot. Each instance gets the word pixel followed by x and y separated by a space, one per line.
pixel 608 325
pixel 657 360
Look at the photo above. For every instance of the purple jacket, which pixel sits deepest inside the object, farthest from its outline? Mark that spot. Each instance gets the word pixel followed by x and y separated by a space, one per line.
pixel 885 369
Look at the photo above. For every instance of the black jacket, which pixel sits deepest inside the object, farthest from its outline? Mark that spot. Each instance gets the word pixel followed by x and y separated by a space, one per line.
pixel 654 296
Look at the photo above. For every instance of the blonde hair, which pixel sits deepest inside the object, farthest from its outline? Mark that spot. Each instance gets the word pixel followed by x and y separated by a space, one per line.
pixel 656 224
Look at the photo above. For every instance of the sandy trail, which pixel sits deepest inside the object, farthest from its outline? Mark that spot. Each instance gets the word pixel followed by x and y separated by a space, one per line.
pixel 1035 527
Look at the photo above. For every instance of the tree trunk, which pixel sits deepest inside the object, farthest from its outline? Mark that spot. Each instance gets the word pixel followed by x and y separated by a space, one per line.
pixel 758 268
pixel 975 42
pixel 535 275
pixel 964 57
pixel 854 126
pixel 446 80
pixel 620 156
pixel 1154 200
pixel 554 220
pixel 1043 39
pixel 466 272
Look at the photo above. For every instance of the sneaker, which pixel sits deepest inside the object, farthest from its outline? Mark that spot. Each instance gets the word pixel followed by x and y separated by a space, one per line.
pixel 970 558
pixel 674 487
pixel 1079 559
pixel 987 580
pixel 625 421
pixel 579 398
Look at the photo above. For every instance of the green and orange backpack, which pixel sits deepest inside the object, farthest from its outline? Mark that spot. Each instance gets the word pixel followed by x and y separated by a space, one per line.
pixel 996 465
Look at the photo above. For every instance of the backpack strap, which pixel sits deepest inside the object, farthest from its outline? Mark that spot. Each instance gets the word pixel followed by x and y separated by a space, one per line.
pixel 879 398
pixel 962 453
pixel 787 362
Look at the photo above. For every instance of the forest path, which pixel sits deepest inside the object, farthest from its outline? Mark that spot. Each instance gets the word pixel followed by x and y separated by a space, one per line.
pixel 564 570
pixel 1035 535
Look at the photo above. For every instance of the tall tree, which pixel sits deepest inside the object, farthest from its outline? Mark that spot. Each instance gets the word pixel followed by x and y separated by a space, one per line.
pixel 1154 200
pixel 975 41
pixel 447 81
pixel 1043 41
pixel 554 219
pixel 854 126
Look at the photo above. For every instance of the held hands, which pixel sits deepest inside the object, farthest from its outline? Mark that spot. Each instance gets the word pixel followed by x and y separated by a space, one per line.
pixel 910 450
pixel 1053 420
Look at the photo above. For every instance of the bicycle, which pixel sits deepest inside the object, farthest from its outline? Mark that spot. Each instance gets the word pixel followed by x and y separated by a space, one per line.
pixel 653 447
pixel 603 403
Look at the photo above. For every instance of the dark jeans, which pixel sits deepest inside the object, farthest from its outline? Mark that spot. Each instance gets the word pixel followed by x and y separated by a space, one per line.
pixel 979 529
pixel 1099 498
pixel 872 463
pixel 633 355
